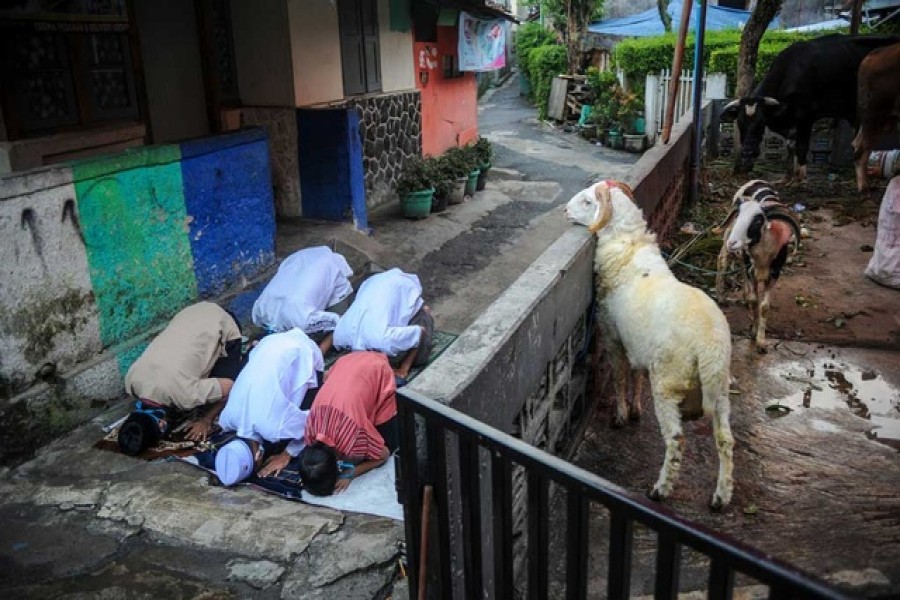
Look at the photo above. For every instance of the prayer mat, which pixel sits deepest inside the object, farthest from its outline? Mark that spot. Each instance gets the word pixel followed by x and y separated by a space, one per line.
pixel 374 493
pixel 442 341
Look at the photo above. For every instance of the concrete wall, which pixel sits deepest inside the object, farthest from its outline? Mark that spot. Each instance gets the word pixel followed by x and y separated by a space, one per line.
pixel 101 252
pixel 170 51
pixel 262 49
pixel 397 67
pixel 449 106
pixel 315 51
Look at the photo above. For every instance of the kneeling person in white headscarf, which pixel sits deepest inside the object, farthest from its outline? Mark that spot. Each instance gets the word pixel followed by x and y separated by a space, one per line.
pixel 389 315
pixel 265 406
pixel 307 282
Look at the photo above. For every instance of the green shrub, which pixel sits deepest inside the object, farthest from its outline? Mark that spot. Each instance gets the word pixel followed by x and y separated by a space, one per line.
pixel 416 176
pixel 640 56
pixel 725 60
pixel 461 161
pixel 603 85
pixel 545 63
pixel 441 174
pixel 528 37
pixel 484 151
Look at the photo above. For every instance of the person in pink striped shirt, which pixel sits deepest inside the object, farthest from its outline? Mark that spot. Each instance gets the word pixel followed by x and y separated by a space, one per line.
pixel 353 420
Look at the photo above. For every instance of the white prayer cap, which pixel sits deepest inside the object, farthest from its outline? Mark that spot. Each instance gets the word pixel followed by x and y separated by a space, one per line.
pixel 234 462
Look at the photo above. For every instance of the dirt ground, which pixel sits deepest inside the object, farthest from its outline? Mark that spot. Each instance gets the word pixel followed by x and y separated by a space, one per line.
pixel 816 419
pixel 822 295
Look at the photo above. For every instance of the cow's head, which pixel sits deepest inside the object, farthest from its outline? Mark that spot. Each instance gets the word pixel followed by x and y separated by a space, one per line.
pixel 751 115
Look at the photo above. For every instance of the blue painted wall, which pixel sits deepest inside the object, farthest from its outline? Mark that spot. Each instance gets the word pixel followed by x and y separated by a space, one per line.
pixel 228 195
pixel 331 164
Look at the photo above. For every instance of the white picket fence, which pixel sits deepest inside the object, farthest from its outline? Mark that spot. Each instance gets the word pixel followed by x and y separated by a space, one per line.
pixel 656 94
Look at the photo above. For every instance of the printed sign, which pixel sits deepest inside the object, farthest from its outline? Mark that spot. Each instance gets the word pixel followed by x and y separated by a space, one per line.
pixel 482 43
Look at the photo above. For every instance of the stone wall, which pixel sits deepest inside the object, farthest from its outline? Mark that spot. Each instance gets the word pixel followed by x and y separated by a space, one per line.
pixel 391 130
pixel 280 124
pixel 97 254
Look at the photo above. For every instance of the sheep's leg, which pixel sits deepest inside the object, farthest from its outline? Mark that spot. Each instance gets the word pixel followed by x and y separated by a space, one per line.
pixel 621 376
pixel 761 320
pixel 637 391
pixel 753 304
pixel 721 268
pixel 669 416
pixel 725 447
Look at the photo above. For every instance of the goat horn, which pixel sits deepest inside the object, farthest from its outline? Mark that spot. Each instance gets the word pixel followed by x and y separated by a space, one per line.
pixel 721 227
pixel 601 192
pixel 622 186
pixel 780 215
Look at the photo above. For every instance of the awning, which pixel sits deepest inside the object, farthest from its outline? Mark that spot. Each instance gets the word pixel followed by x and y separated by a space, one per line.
pixel 476 9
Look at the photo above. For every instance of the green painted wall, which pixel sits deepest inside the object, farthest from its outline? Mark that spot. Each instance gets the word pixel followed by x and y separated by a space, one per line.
pixel 135 226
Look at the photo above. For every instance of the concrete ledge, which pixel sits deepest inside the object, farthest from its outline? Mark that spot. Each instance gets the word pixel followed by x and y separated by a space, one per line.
pixel 499 360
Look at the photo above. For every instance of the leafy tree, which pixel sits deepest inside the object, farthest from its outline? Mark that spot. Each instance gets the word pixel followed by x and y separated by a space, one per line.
pixel 571 18
pixel 663 7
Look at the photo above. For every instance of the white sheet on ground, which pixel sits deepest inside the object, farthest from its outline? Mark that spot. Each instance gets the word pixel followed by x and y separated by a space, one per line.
pixel 374 493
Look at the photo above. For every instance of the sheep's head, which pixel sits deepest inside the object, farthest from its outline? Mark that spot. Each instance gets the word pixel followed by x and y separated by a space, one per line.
pixel 748 225
pixel 593 206
pixel 751 203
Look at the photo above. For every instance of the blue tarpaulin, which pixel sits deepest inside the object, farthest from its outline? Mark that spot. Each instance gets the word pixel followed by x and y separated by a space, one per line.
pixel 648 23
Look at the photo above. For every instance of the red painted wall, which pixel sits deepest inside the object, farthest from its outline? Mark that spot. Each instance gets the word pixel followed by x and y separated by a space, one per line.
pixel 449 106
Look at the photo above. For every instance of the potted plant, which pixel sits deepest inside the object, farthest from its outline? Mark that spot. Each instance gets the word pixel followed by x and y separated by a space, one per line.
pixel 415 189
pixel 443 180
pixel 459 164
pixel 484 152
pixel 628 114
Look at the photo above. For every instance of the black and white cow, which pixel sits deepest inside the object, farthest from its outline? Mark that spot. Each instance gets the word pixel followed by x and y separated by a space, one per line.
pixel 807 81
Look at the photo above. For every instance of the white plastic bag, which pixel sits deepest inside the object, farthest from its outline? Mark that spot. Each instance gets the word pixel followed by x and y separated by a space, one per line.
pixel 884 266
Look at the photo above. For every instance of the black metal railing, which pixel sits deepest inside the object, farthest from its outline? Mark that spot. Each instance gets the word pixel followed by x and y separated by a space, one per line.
pixel 425 425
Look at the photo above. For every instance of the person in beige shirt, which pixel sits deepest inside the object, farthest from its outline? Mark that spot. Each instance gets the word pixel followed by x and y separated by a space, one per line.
pixel 193 362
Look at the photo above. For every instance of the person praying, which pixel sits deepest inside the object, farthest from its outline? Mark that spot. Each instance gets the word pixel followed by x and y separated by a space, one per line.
pixel 307 283
pixel 389 315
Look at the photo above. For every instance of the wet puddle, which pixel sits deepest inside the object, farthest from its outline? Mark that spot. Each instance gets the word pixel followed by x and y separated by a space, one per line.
pixel 836 385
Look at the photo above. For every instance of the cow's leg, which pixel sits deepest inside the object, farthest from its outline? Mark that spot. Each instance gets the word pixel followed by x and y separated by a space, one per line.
pixel 804 132
pixel 861 155
pixel 668 414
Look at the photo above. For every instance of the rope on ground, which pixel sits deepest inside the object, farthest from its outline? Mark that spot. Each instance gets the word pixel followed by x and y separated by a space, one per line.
pixel 696 268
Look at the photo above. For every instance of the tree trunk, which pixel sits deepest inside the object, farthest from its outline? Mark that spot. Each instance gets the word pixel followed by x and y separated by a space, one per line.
pixel 663 7
pixel 762 15
pixel 856 17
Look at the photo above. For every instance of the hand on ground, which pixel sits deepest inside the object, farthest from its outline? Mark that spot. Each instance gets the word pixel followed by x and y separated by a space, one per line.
pixel 197 430
pixel 341 485
pixel 274 465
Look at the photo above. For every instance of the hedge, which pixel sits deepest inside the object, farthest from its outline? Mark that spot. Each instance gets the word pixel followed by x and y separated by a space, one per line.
pixel 545 63
pixel 640 56
pixel 725 60
pixel 528 37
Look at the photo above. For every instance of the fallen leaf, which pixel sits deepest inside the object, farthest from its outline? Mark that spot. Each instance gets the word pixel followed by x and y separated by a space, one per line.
pixel 751 509
pixel 839 322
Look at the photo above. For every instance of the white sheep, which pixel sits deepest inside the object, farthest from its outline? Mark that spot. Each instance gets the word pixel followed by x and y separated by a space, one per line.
pixel 652 321
pixel 760 229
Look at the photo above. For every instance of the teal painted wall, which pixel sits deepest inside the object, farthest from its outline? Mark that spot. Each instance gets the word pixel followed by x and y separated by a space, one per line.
pixel 134 222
